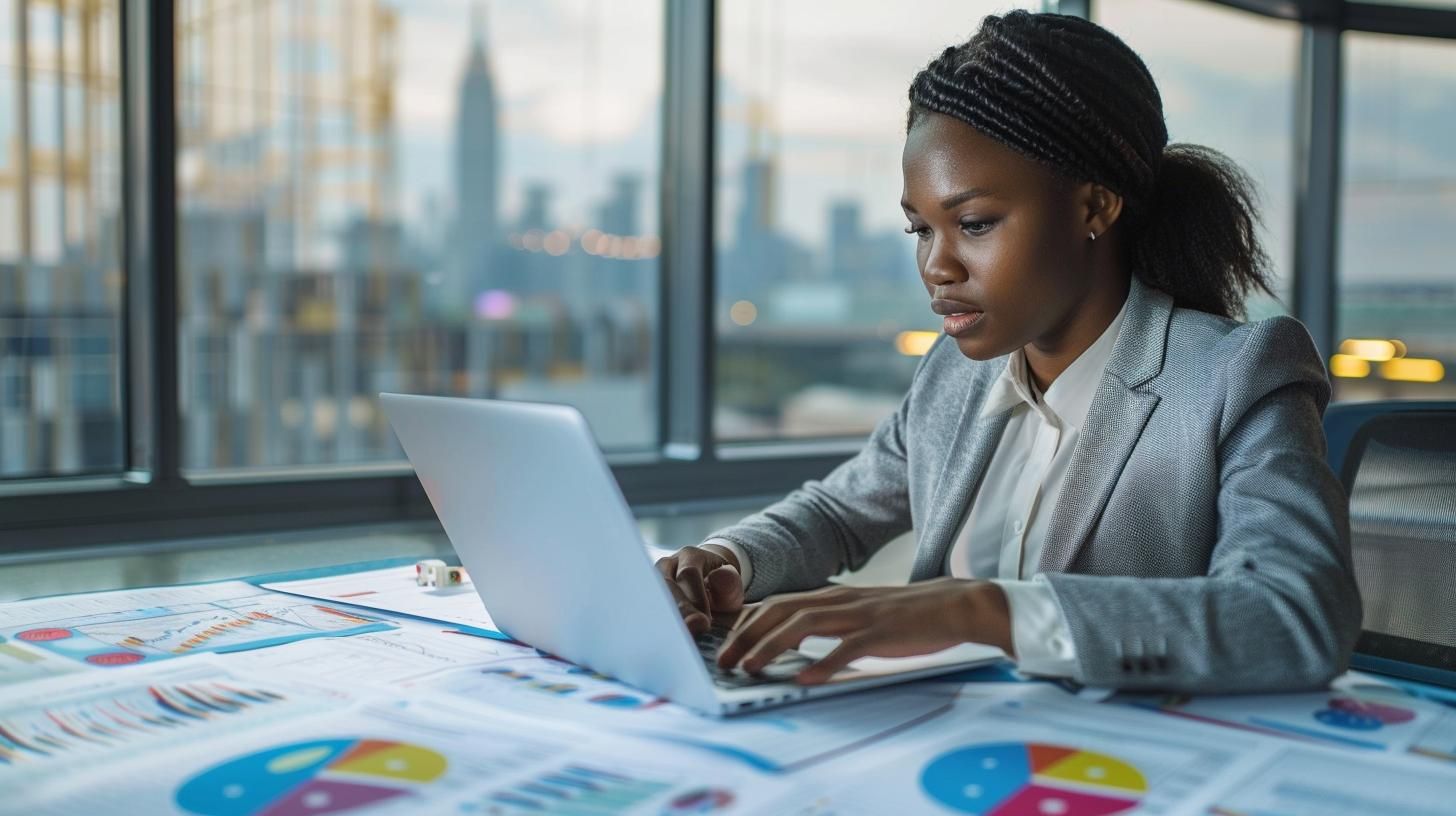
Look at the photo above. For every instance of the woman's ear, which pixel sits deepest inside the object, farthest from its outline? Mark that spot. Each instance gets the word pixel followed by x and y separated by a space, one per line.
pixel 1100 208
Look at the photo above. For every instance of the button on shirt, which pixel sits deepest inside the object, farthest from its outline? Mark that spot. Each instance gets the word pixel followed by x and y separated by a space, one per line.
pixel 1002 535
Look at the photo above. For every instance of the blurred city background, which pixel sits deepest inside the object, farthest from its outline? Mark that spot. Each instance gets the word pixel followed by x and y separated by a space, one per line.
pixel 456 197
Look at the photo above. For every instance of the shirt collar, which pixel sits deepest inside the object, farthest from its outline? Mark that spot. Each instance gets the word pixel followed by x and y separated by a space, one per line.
pixel 1069 398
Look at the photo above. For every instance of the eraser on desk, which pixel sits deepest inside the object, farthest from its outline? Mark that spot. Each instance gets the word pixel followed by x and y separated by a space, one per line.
pixel 432 572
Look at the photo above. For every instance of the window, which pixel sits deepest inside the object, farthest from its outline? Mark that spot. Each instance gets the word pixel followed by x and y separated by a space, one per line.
pixel 60 251
pixel 1228 81
pixel 390 196
pixel 1397 286
pixel 1435 4
pixel 394 195
pixel 817 285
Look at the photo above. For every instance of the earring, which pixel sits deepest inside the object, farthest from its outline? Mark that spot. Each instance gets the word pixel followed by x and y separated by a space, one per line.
pixel 1092 235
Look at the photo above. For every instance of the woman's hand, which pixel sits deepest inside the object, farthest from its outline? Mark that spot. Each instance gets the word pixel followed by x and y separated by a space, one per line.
pixel 705 582
pixel 917 619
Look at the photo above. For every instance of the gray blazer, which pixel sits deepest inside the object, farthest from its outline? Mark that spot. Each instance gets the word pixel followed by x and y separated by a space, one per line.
pixel 1201 542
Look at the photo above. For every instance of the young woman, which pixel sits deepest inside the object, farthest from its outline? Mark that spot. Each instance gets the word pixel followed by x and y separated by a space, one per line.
pixel 1111 478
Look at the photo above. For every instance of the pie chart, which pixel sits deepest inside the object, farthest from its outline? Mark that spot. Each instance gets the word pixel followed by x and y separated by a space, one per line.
pixel 1362 715
pixel 1032 779
pixel 320 776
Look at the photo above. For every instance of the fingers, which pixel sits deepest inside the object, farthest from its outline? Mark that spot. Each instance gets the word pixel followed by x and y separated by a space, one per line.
pixel 694 586
pixel 830 621
pixel 767 616
pixel 725 589
pixel 695 617
pixel 848 650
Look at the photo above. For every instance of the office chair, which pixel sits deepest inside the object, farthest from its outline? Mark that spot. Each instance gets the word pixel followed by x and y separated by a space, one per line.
pixel 1397 461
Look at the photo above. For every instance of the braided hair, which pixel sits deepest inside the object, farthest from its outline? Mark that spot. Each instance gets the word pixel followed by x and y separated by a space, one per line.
pixel 1069 94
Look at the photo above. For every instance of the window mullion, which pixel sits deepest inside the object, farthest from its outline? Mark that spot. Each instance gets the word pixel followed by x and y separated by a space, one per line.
pixel 1318 182
pixel 686 333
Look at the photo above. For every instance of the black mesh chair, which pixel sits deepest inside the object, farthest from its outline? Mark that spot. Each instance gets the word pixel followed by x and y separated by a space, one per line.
pixel 1398 463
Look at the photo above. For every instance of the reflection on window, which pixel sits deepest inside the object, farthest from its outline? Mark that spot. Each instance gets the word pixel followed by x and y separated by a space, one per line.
pixel 1397 301
pixel 391 196
pixel 817 287
pixel 60 250
pixel 1228 81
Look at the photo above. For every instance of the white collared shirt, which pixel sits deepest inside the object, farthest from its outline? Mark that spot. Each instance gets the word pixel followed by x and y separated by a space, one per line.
pixel 1002 536
pixel 1005 527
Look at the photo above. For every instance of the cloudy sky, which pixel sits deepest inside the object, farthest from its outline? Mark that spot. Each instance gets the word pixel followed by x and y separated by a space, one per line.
pixel 581 82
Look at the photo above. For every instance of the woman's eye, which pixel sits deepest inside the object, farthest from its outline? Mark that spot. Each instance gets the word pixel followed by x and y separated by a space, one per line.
pixel 977 227
pixel 922 233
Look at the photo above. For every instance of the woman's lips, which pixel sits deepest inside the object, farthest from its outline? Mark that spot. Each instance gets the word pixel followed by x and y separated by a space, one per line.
pixel 957 325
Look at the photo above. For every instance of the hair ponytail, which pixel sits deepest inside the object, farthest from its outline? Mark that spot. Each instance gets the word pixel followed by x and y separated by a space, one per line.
pixel 1068 93
pixel 1197 237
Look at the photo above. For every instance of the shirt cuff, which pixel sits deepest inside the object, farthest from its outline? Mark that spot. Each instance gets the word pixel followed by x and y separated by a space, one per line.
pixel 1039 630
pixel 745 567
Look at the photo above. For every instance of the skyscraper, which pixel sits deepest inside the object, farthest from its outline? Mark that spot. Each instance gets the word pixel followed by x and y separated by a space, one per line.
pixel 477 178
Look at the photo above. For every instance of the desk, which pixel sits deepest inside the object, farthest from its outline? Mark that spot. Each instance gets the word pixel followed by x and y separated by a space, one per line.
pixel 405 716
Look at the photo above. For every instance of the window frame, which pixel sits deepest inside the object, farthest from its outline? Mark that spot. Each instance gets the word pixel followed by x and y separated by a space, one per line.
pixel 152 498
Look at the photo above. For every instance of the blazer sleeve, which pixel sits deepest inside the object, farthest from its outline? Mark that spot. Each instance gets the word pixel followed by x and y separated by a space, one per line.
pixel 1278 608
pixel 835 523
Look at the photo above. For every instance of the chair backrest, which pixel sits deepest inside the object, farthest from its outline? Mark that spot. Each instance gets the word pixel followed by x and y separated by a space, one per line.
pixel 1398 464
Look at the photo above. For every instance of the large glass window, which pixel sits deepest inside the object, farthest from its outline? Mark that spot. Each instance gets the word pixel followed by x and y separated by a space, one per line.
pixel 60 250
pixel 1228 81
pixel 818 300
pixel 1397 282
pixel 434 197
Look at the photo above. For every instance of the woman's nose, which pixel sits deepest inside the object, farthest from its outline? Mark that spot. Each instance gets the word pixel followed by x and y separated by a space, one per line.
pixel 941 264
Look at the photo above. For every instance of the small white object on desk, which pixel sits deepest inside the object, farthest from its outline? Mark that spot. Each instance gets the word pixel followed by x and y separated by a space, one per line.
pixel 432 572
pixel 387 590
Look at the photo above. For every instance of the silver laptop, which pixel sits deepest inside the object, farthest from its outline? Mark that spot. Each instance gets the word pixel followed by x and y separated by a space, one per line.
pixel 532 509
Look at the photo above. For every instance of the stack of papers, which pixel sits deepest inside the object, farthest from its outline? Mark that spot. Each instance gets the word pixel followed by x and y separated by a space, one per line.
pixel 364 693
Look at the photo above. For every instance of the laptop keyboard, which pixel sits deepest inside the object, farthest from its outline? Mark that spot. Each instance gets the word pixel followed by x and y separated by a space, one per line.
pixel 780 669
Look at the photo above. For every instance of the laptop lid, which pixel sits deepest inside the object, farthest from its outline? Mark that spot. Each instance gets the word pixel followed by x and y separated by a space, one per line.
pixel 531 507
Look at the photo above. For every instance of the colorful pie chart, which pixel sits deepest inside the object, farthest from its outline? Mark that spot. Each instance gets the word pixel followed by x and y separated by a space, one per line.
pixel 321 776
pixel 1032 779
pixel 1362 715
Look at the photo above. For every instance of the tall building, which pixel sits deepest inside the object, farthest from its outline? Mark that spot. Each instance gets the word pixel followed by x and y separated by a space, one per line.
pixel 477 178
pixel 618 214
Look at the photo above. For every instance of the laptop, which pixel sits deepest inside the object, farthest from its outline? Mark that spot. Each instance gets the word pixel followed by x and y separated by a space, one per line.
pixel 553 550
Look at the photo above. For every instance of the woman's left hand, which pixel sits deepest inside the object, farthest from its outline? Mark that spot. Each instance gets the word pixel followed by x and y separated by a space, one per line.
pixel 921 618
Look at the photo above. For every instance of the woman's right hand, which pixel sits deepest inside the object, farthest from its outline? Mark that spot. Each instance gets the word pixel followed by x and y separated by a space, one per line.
pixel 705 582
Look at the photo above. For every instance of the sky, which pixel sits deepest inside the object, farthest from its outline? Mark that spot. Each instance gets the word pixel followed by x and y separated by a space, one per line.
pixel 580 84
pixel 579 87
pixel 832 91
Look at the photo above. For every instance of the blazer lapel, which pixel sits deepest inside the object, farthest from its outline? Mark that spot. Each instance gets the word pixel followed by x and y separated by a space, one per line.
pixel 975 440
pixel 1118 415
pixel 1115 421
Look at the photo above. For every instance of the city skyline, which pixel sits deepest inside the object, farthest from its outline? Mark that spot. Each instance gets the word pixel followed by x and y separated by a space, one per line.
pixel 332 245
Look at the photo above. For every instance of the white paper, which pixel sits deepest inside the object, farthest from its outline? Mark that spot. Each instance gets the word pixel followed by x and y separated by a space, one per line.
pixel 76 722
pixel 135 626
pixel 1314 782
pixel 1358 712
pixel 1041 753
pixel 394 590
pixel 775 740
pixel 20 662
pixel 408 758
pixel 412 653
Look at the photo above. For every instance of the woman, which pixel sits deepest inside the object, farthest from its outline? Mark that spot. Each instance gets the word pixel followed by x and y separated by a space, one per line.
pixel 1111 478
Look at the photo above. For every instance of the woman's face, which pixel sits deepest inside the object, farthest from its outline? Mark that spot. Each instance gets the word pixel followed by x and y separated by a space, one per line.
pixel 1002 241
